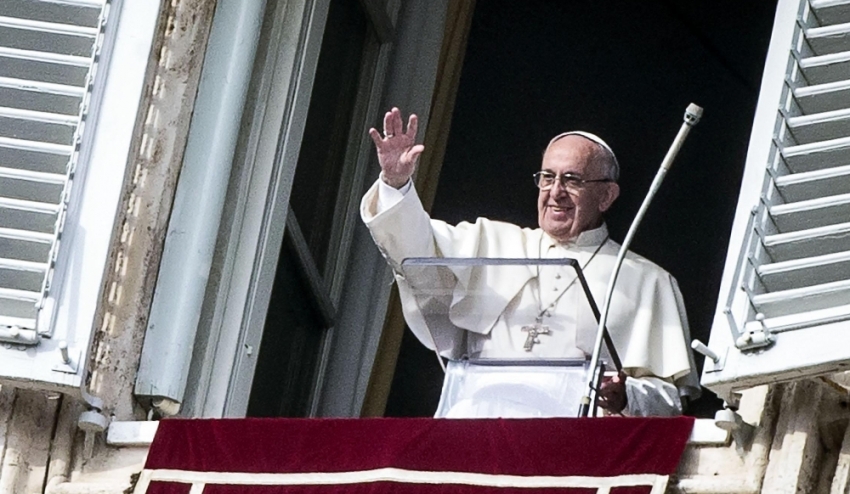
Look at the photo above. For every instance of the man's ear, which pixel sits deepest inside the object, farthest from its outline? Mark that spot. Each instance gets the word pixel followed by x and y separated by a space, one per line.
pixel 612 192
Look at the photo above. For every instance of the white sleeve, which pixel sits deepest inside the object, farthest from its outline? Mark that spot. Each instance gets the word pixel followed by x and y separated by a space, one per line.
pixel 389 196
pixel 652 396
pixel 401 228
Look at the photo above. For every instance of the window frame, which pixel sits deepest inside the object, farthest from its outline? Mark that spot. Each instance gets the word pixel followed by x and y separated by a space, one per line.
pixel 357 155
pixel 253 226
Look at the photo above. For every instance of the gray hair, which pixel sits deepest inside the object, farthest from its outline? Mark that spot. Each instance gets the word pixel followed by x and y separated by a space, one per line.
pixel 605 158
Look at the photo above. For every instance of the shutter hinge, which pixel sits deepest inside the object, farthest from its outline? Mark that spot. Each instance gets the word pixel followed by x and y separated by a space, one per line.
pixel 754 338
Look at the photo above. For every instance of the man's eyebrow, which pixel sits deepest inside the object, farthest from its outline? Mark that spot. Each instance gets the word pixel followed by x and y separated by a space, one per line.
pixel 567 174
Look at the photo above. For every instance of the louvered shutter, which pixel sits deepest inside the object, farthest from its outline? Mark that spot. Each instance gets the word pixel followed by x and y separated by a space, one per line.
pixel 784 308
pixel 48 56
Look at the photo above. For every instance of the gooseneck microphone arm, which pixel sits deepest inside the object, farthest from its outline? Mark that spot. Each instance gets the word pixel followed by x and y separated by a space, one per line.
pixel 692 116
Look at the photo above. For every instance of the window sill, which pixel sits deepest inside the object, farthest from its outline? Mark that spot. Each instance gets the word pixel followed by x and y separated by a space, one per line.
pixel 140 434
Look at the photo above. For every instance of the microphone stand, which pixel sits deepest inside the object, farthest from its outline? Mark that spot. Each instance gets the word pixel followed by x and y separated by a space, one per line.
pixel 692 116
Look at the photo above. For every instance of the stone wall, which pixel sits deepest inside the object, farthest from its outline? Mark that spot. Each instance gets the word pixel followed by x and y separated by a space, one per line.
pixel 799 445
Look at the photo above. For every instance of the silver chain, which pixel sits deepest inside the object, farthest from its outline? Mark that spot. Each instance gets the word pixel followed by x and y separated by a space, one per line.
pixel 552 305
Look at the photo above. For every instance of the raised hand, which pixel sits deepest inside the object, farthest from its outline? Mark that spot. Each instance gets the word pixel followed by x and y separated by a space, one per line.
pixel 397 149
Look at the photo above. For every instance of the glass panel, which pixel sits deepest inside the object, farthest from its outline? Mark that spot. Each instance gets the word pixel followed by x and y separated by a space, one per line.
pixel 322 158
pixel 513 388
pixel 292 339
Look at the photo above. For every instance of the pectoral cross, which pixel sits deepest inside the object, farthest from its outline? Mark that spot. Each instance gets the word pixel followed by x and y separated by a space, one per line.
pixel 533 332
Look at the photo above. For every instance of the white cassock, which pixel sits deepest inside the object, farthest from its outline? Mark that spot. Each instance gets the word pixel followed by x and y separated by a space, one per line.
pixel 489 306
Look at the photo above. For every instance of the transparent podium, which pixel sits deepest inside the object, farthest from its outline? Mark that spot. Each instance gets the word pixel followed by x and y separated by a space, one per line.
pixel 451 294
pixel 512 388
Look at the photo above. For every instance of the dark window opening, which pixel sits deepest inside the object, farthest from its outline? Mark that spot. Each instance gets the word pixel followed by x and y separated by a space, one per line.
pixel 625 71
pixel 291 344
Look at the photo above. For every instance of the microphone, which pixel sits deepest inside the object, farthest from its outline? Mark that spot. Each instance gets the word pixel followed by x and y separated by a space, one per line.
pixel 692 116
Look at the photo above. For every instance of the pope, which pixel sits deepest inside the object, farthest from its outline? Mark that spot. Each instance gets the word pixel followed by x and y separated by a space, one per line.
pixel 577 184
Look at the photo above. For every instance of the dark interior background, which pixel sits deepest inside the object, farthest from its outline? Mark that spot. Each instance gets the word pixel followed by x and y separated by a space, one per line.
pixel 625 71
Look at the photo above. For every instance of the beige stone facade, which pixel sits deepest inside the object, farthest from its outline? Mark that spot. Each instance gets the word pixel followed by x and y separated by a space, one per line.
pixel 799 442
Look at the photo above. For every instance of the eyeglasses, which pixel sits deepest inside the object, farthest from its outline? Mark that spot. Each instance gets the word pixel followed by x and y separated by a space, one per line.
pixel 573 183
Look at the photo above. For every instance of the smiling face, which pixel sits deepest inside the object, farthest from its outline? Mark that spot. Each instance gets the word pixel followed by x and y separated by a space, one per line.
pixel 565 214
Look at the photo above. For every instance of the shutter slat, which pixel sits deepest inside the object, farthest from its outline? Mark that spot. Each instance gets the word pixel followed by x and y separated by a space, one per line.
pixel 47 27
pixel 818 155
pixel 19 295
pixel 807 271
pixel 31 206
pixel 31 176
pixel 832 11
pixel 76 3
pixel 826 68
pixel 39 147
pixel 810 128
pixel 828 39
pixel 18 265
pixel 810 242
pixel 811 185
pixel 42 87
pixel 810 214
pixel 823 97
pixel 810 298
pixel 38 116
pixel 26 235
pixel 44 56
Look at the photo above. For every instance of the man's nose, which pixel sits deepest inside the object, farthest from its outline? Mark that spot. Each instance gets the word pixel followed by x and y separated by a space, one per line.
pixel 558 188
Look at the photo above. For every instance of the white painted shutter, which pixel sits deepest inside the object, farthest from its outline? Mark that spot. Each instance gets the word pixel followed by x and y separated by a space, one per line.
pixel 784 308
pixel 48 55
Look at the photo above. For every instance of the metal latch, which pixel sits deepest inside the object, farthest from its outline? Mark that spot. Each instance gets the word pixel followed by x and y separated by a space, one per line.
pixel 717 361
pixel 67 364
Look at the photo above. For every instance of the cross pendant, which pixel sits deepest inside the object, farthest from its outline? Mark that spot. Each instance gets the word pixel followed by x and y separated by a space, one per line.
pixel 533 332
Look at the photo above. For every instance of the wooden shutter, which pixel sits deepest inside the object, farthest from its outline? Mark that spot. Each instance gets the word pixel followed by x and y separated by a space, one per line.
pixel 784 308
pixel 48 56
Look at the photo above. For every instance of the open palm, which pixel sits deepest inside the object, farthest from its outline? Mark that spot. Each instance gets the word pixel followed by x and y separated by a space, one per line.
pixel 397 148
